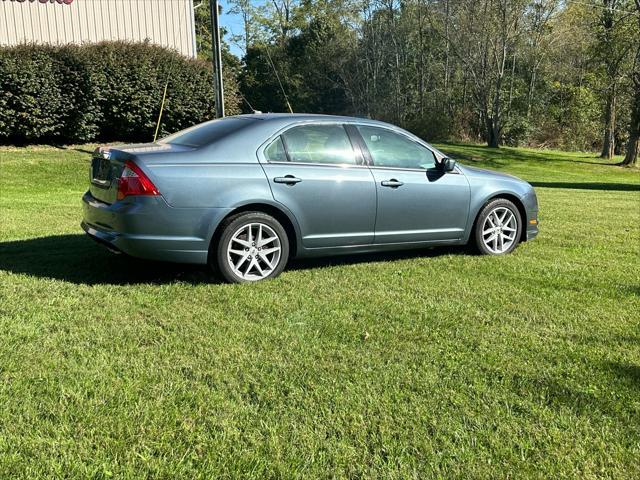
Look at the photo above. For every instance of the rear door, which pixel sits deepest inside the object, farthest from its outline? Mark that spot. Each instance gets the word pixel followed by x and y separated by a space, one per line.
pixel 417 201
pixel 314 170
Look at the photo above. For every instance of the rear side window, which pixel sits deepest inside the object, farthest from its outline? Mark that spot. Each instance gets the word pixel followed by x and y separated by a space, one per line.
pixel 319 144
pixel 275 151
pixel 207 133
pixel 390 149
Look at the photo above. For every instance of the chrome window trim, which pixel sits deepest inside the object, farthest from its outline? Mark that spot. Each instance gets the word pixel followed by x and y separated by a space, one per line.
pixel 378 167
pixel 423 170
pixel 334 165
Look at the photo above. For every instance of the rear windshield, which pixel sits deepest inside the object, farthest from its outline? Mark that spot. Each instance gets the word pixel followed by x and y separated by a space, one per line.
pixel 207 133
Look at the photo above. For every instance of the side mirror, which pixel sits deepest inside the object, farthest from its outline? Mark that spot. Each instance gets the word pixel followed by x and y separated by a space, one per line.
pixel 448 164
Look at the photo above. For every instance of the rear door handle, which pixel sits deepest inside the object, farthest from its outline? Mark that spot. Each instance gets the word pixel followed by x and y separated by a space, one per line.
pixel 393 183
pixel 288 179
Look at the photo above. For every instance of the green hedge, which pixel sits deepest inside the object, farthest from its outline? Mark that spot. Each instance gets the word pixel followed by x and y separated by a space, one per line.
pixel 102 92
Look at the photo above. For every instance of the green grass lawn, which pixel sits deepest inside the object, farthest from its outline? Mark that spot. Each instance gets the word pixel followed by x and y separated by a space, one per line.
pixel 428 364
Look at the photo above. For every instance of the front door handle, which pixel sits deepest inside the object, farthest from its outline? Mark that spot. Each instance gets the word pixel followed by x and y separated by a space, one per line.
pixel 288 179
pixel 393 183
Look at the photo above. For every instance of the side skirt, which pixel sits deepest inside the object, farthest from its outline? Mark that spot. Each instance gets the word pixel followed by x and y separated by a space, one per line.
pixel 386 247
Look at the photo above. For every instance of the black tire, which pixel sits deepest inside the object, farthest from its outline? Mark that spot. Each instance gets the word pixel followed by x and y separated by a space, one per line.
pixel 499 204
pixel 219 259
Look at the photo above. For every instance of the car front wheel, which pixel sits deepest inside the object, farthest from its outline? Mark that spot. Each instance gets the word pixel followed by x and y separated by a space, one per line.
pixel 253 246
pixel 498 228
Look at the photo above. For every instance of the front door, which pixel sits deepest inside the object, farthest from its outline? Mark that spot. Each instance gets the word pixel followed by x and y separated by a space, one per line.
pixel 316 173
pixel 417 201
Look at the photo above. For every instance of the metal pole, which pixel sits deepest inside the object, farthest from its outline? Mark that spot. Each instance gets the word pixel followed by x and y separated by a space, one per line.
pixel 217 59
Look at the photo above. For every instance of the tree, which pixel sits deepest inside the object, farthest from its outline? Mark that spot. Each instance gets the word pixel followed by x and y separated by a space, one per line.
pixel 535 72
pixel 633 144
pixel 484 48
pixel 539 40
pixel 612 49
pixel 247 11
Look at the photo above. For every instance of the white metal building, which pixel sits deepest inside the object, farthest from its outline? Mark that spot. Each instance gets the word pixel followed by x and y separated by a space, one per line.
pixel 169 23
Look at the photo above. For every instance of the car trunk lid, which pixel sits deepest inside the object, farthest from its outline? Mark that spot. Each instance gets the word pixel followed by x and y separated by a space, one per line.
pixel 107 164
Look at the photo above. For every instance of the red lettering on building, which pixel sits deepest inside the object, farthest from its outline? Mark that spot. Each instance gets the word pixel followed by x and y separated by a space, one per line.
pixel 61 2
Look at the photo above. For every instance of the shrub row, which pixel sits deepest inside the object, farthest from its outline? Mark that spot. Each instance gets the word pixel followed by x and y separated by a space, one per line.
pixel 102 92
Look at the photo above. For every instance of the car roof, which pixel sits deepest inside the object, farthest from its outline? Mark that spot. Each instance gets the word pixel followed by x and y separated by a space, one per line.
pixel 298 117
pixel 244 142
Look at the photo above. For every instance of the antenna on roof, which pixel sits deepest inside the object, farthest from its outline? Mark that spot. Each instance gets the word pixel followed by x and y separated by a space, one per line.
pixel 279 82
pixel 253 110
pixel 217 58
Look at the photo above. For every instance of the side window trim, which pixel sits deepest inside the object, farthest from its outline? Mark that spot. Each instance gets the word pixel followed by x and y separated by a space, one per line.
pixel 357 142
pixel 369 157
pixel 286 148
pixel 263 149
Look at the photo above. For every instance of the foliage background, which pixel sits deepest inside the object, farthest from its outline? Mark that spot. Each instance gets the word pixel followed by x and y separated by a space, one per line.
pixel 544 73
pixel 107 91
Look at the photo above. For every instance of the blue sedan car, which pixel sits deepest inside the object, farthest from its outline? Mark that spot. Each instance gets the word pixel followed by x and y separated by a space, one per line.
pixel 246 193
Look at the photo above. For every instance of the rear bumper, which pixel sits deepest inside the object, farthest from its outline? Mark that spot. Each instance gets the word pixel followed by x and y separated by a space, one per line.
pixel 147 227
pixel 103 238
pixel 530 202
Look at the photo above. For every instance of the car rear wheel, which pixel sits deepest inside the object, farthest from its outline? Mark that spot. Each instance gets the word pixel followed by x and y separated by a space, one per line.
pixel 498 228
pixel 253 246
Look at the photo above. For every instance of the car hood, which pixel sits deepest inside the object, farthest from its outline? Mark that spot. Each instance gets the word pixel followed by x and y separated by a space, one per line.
pixel 488 174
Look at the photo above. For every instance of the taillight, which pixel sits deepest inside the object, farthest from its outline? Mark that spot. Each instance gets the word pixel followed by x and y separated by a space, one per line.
pixel 133 181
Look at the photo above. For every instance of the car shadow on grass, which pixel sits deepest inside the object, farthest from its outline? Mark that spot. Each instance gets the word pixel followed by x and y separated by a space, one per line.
pixel 77 259
pixel 627 373
pixel 562 396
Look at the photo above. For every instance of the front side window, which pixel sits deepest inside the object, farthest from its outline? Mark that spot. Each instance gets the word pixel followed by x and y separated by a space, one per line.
pixel 390 149
pixel 319 144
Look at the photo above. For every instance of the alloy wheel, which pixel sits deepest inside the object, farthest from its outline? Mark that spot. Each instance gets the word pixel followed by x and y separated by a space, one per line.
pixel 254 251
pixel 499 230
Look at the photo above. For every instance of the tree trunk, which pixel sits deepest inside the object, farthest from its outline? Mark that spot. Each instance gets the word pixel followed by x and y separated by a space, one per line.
pixel 493 140
pixel 633 145
pixel 532 84
pixel 421 62
pixel 609 143
pixel 495 120
pixel 447 98
pixel 493 132
pixel 633 148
